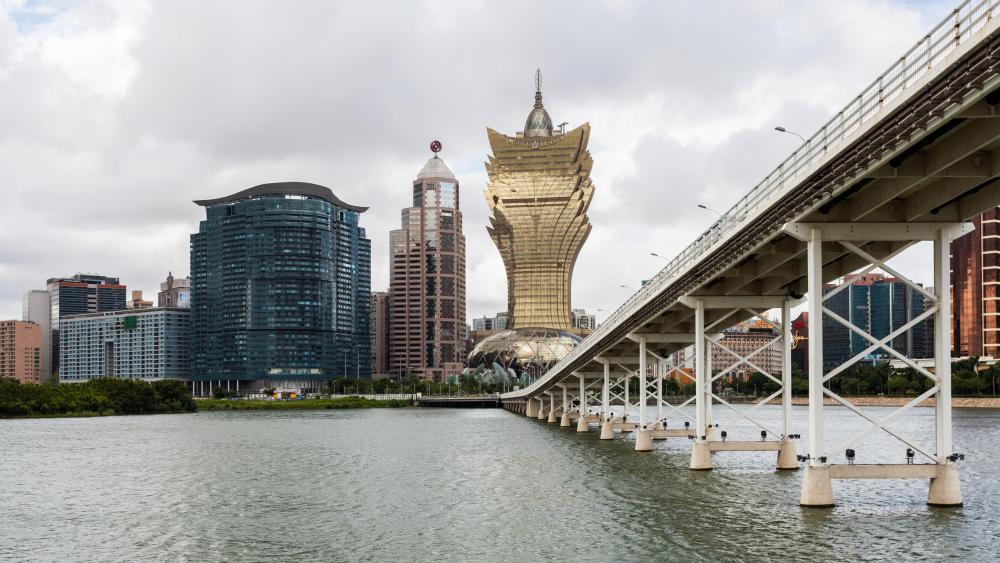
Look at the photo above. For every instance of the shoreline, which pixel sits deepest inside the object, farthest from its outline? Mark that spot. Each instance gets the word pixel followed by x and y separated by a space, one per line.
pixel 217 405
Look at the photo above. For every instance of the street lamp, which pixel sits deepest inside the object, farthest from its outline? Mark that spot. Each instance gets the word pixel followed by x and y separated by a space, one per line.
pixel 658 256
pixel 627 287
pixel 780 129
pixel 707 208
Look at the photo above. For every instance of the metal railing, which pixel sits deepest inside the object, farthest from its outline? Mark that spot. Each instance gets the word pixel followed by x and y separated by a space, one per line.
pixel 954 31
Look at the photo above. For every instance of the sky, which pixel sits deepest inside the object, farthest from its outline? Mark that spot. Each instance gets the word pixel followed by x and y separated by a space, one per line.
pixel 116 115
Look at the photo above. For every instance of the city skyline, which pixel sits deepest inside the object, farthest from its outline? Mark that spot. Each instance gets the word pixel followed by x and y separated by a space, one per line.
pixel 145 165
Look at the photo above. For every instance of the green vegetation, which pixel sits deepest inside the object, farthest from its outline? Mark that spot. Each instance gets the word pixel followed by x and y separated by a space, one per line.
pixel 94 398
pixel 297 404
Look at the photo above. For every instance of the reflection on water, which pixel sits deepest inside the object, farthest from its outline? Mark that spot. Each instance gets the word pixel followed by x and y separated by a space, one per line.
pixel 426 484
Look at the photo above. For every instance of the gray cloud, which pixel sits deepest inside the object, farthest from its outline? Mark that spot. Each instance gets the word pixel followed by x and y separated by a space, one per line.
pixel 117 114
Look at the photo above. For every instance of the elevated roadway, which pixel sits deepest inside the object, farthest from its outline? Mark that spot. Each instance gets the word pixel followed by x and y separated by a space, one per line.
pixel 911 158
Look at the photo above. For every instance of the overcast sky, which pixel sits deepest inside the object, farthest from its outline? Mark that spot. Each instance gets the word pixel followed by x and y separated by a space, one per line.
pixel 114 116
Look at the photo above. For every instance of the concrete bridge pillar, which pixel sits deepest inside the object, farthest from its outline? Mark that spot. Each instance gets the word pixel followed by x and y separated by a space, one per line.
pixel 944 488
pixel 532 408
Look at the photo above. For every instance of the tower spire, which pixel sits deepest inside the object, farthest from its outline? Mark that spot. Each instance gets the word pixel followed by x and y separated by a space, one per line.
pixel 538 87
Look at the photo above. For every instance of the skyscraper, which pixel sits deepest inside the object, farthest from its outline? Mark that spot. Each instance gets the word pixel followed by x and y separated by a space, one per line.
pixel 280 289
pixel 975 287
pixel 82 293
pixel 427 277
pixel 539 192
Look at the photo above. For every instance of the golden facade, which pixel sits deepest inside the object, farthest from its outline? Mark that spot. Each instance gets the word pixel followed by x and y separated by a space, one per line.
pixel 539 192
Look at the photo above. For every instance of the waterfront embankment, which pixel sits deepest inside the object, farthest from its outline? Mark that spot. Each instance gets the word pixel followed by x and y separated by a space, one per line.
pixel 298 404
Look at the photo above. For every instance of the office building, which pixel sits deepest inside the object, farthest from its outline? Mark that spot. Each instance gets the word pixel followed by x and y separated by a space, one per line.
pixel 37 308
pixel 975 288
pixel 280 290
pixel 879 306
pixel 77 295
pixel 20 351
pixel 427 277
pixel 141 343
pixel 174 292
pixel 380 333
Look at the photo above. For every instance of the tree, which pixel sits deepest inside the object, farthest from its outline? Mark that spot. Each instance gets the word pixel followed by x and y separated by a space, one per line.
pixel 220 393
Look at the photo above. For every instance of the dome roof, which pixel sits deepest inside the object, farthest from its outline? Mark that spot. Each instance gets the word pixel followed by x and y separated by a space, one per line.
pixel 435 168
pixel 538 124
pixel 535 349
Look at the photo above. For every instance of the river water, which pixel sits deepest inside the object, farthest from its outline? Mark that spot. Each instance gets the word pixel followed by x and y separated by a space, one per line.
pixel 458 485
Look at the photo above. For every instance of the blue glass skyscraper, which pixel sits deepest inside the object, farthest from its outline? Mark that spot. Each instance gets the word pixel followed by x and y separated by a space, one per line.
pixel 280 289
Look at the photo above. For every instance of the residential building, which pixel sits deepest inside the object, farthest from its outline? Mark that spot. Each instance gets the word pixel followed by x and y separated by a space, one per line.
pixel 79 294
pixel 975 288
pixel 427 277
pixel 137 302
pixel 280 290
pixel 20 351
pixel 140 343
pixel 174 292
pixel 756 339
pixel 37 308
pixel 495 323
pixel 380 333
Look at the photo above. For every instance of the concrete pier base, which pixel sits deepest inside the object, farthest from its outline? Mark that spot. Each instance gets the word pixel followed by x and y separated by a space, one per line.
pixel 582 425
pixel 532 408
pixel 626 426
pixel 608 431
pixel 552 416
pixel 817 489
pixel 701 456
pixel 945 489
pixel 564 419
pixel 787 459
pixel 542 415
pixel 643 441
pixel 658 425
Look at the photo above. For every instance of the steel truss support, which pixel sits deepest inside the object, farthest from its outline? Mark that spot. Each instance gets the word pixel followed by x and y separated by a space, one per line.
pixel 707 434
pixel 944 487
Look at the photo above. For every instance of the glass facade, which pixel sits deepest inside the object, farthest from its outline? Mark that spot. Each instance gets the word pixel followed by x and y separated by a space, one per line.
pixel 280 288
pixel 529 350
pixel 539 192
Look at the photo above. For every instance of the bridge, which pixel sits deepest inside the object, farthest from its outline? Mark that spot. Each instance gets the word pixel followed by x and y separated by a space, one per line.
pixel 910 159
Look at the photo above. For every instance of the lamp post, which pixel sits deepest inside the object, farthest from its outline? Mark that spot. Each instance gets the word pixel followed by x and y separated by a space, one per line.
pixel 627 287
pixel 707 208
pixel 781 129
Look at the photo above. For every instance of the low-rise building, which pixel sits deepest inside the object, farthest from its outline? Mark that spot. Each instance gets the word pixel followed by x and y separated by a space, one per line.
pixel 147 344
pixel 20 351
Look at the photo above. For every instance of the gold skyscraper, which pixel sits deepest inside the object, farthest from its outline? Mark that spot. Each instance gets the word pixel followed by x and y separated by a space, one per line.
pixel 539 192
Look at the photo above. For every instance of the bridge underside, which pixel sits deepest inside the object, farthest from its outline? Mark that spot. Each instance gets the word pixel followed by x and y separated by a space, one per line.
pixel 910 160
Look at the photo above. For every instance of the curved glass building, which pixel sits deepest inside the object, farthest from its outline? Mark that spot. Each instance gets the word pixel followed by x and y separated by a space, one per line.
pixel 280 290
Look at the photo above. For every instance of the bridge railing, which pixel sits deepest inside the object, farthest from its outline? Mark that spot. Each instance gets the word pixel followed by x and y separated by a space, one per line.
pixel 957 29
